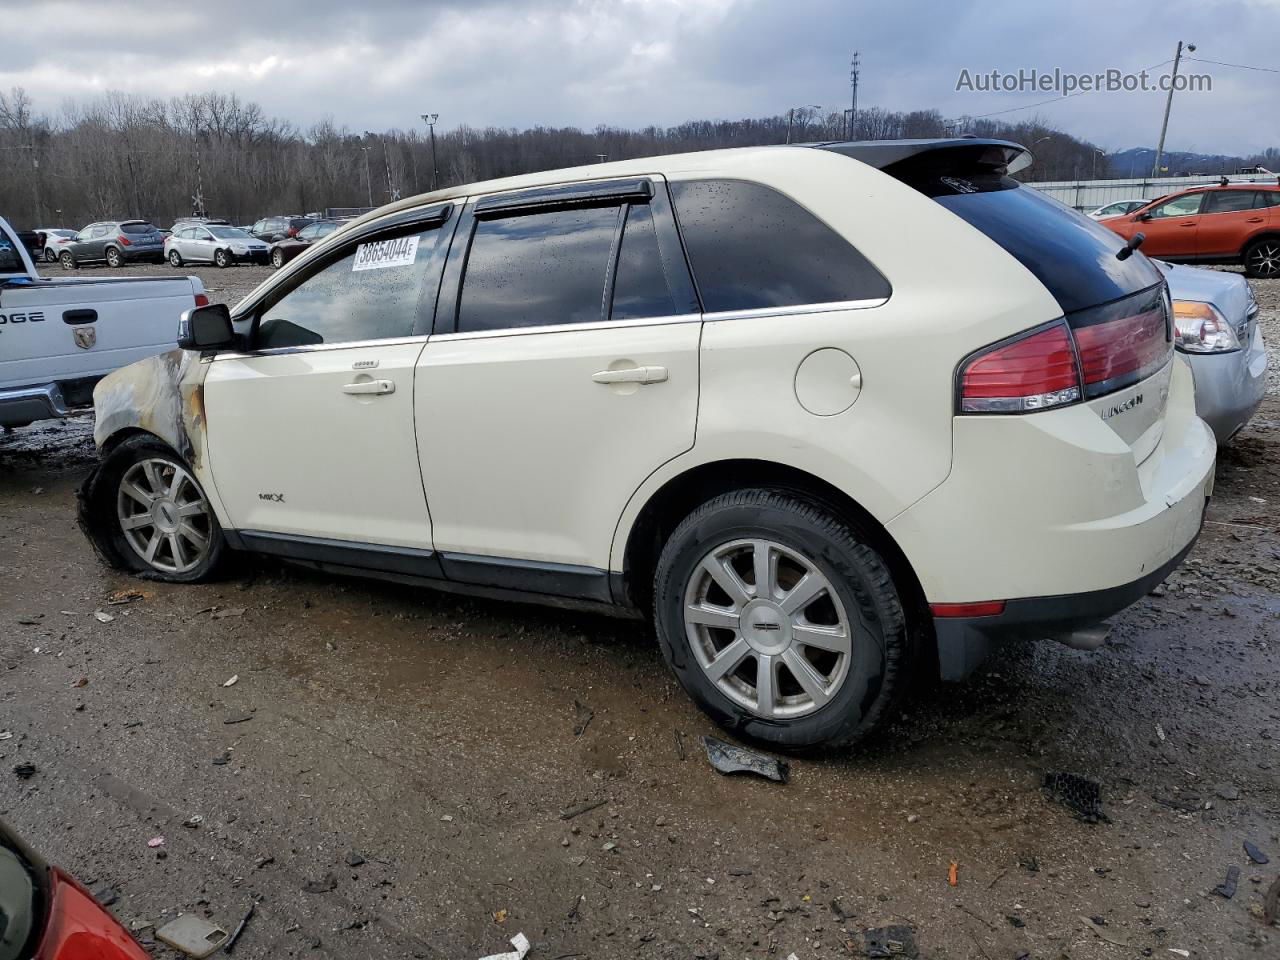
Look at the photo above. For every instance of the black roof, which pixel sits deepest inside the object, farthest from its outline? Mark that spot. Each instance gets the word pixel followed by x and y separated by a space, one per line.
pixel 883 154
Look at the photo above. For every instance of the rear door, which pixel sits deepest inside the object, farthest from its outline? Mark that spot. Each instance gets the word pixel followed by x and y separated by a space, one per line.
pixel 1171 231
pixel 1228 219
pixel 564 371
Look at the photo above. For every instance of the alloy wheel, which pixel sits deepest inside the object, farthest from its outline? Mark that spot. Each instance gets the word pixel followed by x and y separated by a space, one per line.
pixel 164 516
pixel 767 628
pixel 1264 259
pixel 113 257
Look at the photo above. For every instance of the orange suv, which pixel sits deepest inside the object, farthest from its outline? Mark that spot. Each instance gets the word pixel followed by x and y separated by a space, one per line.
pixel 1236 223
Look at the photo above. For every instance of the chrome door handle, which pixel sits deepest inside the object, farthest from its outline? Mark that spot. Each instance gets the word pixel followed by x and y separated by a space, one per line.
pixel 631 375
pixel 370 386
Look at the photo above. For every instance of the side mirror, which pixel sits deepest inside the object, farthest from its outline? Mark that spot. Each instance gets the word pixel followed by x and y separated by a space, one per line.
pixel 1144 217
pixel 207 328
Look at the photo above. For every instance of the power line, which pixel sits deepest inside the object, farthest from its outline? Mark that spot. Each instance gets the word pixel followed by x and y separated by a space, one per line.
pixel 1242 66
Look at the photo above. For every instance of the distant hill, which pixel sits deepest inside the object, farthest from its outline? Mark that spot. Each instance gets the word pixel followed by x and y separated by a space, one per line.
pixel 1137 161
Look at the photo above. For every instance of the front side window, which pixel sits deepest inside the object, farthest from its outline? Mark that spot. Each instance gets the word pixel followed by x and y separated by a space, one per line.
pixel 1187 205
pixel 537 270
pixel 751 247
pixel 1231 201
pixel 371 292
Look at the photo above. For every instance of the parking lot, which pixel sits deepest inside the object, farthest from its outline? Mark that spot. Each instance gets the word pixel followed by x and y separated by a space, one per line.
pixel 397 772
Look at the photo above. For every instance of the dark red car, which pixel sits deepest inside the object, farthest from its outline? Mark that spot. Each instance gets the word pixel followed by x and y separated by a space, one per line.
pixel 282 251
pixel 1231 223
pixel 46 915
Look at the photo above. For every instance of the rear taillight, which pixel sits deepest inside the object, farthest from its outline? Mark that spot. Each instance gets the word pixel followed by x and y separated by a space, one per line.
pixel 1034 371
pixel 124 241
pixel 80 929
pixel 1085 355
pixel 201 300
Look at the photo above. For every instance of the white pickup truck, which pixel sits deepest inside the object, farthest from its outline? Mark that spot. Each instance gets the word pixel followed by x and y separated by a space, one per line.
pixel 59 337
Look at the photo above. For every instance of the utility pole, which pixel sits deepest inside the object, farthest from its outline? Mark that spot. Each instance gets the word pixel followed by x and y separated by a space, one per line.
pixel 430 120
pixel 367 180
pixel 854 71
pixel 1168 104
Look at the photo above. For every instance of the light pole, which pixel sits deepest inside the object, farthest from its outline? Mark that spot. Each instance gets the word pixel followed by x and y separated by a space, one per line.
pixel 1096 154
pixel 1168 104
pixel 791 116
pixel 393 192
pixel 368 182
pixel 430 120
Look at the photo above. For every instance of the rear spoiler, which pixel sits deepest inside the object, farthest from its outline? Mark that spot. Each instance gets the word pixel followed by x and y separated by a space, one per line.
pixel 956 155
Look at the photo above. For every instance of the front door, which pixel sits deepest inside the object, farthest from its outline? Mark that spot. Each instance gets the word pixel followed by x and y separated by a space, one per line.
pixel 565 373
pixel 1171 231
pixel 310 432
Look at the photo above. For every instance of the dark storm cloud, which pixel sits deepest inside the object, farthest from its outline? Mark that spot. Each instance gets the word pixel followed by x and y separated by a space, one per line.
pixel 636 62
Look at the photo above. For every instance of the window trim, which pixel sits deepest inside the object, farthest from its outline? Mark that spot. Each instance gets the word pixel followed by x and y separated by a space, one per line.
pixel 1204 212
pixel 603 193
pixel 675 264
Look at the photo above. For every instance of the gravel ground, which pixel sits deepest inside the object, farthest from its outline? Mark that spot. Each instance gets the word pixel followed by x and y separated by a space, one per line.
pixel 434 743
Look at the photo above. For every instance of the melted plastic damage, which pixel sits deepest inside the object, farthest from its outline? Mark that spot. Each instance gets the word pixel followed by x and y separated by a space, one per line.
pixel 162 396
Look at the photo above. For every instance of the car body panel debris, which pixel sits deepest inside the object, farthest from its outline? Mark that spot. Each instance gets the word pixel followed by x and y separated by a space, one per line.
pixel 521 944
pixel 730 758
pixel 194 936
pixel 1256 855
pixel 896 940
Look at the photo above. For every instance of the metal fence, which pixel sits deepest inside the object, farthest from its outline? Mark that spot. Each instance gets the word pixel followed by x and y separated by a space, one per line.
pixel 1091 194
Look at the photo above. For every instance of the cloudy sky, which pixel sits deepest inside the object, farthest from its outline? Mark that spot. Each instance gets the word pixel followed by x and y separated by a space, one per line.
pixel 378 64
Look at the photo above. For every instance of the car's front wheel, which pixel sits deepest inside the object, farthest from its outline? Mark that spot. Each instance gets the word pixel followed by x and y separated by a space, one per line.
pixel 175 258
pixel 155 513
pixel 221 258
pixel 113 258
pixel 1262 259
pixel 780 620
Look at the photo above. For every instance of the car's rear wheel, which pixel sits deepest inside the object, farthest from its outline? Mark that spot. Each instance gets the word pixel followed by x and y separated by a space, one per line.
pixel 50 256
pixel 1262 259
pixel 221 258
pixel 780 620
pixel 113 257
pixel 175 258
pixel 159 520
pixel 277 258
pixel 67 260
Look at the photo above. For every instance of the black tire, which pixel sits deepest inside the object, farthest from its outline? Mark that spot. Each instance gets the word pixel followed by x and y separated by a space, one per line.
pixel 114 259
pixel 175 258
pixel 880 648
pixel 50 256
pixel 1262 259
pixel 102 523
pixel 277 258
pixel 221 259
pixel 68 260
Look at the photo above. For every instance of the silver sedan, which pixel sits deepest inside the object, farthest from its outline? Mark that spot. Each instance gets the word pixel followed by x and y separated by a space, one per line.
pixel 1217 329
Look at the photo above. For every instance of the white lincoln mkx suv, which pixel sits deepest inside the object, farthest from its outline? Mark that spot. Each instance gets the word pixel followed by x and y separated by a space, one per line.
pixel 829 414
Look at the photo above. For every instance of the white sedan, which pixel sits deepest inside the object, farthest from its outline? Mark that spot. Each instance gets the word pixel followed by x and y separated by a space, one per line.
pixel 1117 209
pixel 220 245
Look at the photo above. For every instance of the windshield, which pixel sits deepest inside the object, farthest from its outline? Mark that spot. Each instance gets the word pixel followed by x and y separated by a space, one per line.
pixel 228 233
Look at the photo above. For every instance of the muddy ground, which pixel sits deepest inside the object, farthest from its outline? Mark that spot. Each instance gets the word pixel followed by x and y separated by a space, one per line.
pixel 408 755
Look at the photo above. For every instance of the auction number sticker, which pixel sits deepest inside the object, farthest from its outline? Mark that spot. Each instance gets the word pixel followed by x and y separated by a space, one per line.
pixel 400 252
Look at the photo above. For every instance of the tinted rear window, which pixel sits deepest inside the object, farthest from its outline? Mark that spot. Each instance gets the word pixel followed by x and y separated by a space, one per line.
pixel 751 247
pixel 137 228
pixel 1072 255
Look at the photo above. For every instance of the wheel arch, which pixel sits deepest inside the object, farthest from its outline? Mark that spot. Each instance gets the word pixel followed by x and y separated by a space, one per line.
pixel 667 506
pixel 1270 233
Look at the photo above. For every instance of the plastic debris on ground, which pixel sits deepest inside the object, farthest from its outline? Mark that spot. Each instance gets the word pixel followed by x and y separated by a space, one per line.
pixel 521 944
pixel 1079 794
pixel 729 758
pixel 194 936
pixel 1256 855
pixel 1227 888
pixel 896 940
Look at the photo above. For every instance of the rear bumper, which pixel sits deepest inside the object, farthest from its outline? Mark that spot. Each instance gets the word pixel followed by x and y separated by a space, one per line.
pixel 1230 386
pixel 964 643
pixel 145 255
